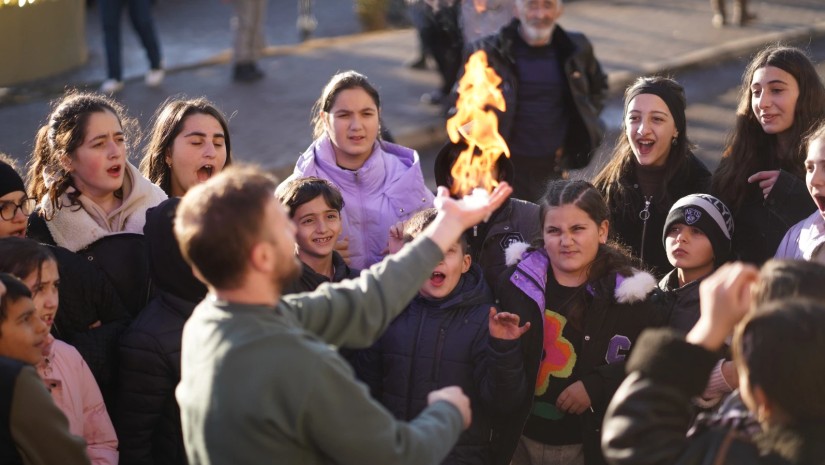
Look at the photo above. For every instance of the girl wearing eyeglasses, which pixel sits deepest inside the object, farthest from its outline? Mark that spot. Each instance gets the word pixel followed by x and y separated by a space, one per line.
pixel 15 206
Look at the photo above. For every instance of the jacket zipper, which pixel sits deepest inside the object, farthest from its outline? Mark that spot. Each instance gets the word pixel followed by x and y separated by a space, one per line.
pixel 644 215
pixel 439 345
pixel 412 365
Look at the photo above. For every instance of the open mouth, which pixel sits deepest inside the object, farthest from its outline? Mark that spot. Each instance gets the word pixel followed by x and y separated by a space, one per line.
pixel 437 278
pixel 205 172
pixel 322 240
pixel 645 146
pixel 115 170
pixel 820 202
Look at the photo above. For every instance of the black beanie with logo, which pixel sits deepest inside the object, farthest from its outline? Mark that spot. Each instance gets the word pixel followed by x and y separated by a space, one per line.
pixel 710 215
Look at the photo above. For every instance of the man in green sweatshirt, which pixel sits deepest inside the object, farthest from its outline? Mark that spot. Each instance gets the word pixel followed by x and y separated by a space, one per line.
pixel 261 381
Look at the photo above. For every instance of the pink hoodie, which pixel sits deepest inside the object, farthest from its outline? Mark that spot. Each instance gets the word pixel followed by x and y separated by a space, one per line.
pixel 75 392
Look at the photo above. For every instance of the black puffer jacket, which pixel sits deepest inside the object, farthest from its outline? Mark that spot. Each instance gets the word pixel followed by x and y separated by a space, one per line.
pixel 434 344
pixel 148 418
pixel 648 420
pixel 585 79
pixel 121 257
pixel 628 228
pixel 621 308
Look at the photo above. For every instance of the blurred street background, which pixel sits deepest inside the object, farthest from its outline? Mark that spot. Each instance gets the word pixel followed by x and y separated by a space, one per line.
pixel 270 118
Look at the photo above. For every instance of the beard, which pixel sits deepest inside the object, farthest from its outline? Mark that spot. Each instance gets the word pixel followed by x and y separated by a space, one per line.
pixel 292 270
pixel 537 35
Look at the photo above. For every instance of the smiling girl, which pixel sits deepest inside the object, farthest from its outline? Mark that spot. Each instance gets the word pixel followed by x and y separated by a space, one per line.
pixel 189 144
pixel 760 176
pixel 381 182
pixel 586 306
pixel 651 167
pixel 92 201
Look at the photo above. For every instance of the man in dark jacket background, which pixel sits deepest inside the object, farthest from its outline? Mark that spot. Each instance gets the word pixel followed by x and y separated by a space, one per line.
pixel 554 89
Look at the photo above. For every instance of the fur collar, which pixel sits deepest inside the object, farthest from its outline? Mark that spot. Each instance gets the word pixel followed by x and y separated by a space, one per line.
pixel 628 289
pixel 73 228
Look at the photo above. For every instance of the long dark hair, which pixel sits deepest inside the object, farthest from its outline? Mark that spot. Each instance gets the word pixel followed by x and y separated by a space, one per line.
pixel 750 148
pixel 340 82
pixel 622 162
pixel 168 123
pixel 61 136
pixel 610 257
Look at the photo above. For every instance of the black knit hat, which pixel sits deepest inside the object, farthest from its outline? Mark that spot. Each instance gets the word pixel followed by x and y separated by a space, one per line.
pixel 710 215
pixel 10 181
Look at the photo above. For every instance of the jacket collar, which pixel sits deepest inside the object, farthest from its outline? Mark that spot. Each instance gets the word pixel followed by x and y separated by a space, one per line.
pixel 801 443
pixel 73 228
pixel 561 40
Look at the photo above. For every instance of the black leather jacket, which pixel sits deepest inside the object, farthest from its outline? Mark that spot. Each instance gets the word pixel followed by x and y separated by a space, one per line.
pixel 585 79
pixel 647 421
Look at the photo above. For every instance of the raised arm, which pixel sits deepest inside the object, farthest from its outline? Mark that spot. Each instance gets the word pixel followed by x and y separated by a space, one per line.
pixel 354 313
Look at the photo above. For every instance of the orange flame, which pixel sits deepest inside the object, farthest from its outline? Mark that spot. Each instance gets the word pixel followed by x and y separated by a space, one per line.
pixel 476 124
pixel 480 5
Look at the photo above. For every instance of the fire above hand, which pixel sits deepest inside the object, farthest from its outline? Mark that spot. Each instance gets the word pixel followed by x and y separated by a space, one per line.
pixel 476 123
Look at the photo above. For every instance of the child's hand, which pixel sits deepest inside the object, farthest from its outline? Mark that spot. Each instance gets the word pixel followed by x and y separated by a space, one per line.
pixel 504 325
pixel 766 180
pixel 574 399
pixel 725 298
pixel 342 247
pixel 396 239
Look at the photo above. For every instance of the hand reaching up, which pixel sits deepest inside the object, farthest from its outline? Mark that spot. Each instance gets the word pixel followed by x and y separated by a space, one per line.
pixel 504 325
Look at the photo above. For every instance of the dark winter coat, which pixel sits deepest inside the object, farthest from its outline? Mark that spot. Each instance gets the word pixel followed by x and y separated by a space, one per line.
pixel 310 280
pixel 665 373
pixel 437 343
pixel 628 228
pixel 148 417
pixel 585 79
pixel 762 223
pixel 682 302
pixel 121 257
pixel 621 308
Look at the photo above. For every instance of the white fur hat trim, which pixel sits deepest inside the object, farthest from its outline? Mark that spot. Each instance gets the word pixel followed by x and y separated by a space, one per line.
pixel 635 288
pixel 514 251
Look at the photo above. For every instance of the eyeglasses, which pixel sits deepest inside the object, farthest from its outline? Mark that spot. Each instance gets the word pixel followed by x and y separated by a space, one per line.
pixel 8 208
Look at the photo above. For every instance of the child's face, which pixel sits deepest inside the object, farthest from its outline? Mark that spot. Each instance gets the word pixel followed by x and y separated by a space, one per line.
pixel 572 239
pixel 44 293
pixel 319 226
pixel 688 248
pixel 446 275
pixel 22 334
pixel 815 173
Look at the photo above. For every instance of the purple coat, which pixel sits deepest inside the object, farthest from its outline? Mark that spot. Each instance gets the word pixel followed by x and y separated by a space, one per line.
pixel 389 188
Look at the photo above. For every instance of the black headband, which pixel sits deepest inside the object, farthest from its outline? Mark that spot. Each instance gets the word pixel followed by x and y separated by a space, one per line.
pixel 10 181
pixel 674 101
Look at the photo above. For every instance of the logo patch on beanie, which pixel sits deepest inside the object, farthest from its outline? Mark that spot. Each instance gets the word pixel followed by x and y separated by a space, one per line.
pixel 692 215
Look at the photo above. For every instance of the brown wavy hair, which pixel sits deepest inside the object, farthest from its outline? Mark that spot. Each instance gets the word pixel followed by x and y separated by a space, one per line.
pixel 167 124
pixel 749 148
pixel 61 136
